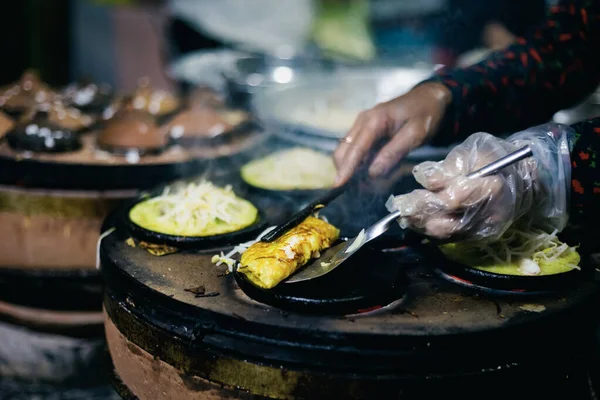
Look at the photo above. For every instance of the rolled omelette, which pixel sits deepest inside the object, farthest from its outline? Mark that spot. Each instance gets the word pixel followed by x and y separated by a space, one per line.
pixel 267 264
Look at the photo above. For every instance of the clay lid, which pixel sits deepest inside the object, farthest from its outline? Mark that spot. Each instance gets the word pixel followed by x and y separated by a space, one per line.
pixel 132 130
pixel 39 134
pixel 153 101
pixel 205 97
pixel 25 93
pixel 204 122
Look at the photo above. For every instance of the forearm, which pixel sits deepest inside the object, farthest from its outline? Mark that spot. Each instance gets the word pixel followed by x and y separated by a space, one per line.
pixel 553 68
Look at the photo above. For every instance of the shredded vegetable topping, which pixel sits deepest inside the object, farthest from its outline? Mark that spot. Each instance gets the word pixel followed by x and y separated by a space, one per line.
pixel 227 259
pixel 532 252
pixel 198 209
pixel 518 244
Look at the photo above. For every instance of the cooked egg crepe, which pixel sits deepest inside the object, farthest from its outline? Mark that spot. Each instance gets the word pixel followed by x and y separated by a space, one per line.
pixel 267 264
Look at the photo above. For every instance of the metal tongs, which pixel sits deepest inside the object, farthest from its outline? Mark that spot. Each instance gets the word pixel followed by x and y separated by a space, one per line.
pixel 345 250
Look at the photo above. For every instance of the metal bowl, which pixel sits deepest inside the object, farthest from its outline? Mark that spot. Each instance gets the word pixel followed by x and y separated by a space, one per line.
pixel 325 104
pixel 319 108
pixel 248 75
pixel 203 68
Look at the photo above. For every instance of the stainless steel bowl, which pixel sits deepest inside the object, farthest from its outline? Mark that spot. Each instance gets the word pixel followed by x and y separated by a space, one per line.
pixel 320 108
pixel 250 74
pixel 203 68
pixel 325 104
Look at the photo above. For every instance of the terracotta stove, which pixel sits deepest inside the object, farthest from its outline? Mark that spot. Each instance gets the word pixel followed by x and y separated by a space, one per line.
pixel 435 339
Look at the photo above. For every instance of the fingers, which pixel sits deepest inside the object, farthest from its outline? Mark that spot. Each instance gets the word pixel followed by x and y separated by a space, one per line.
pixel 410 136
pixel 413 116
pixel 431 175
pixel 466 207
pixel 465 192
pixel 340 151
pixel 442 227
pixel 435 176
pixel 369 126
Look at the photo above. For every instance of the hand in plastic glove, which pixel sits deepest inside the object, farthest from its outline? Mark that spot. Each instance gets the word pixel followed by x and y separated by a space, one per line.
pixel 406 121
pixel 454 207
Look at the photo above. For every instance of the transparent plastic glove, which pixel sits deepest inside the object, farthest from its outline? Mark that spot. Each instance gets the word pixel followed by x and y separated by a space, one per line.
pixel 534 191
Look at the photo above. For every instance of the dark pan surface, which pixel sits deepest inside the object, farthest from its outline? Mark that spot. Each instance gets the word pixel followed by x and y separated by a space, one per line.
pixel 370 279
pixel 467 275
pixel 514 283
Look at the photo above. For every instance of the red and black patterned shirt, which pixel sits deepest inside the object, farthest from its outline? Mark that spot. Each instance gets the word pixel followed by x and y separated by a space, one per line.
pixel 553 68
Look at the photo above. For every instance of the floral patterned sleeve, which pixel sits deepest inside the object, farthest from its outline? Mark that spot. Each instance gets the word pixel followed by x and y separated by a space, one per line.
pixel 585 174
pixel 553 68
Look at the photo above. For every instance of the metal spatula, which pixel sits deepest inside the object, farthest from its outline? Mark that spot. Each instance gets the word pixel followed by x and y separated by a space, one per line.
pixel 345 250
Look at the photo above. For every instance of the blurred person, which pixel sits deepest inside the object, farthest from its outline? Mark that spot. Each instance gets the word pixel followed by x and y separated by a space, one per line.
pixel 451 28
pixel 552 68
pixel 354 28
pixel 140 36
pixel 267 26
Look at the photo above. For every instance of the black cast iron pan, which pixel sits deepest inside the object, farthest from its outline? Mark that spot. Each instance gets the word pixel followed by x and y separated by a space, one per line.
pixel 299 194
pixel 511 283
pixel 473 277
pixel 370 281
pixel 190 242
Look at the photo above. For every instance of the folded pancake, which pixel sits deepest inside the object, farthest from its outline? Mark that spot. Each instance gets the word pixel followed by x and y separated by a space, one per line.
pixel 267 264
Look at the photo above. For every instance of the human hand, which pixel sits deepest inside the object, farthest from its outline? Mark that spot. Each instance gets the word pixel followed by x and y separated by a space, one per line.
pixel 454 207
pixel 406 122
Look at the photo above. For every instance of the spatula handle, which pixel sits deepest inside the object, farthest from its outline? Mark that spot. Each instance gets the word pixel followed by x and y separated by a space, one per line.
pixel 303 214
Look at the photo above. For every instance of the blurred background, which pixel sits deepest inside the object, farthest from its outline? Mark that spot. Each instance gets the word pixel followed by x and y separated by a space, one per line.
pixel 118 41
